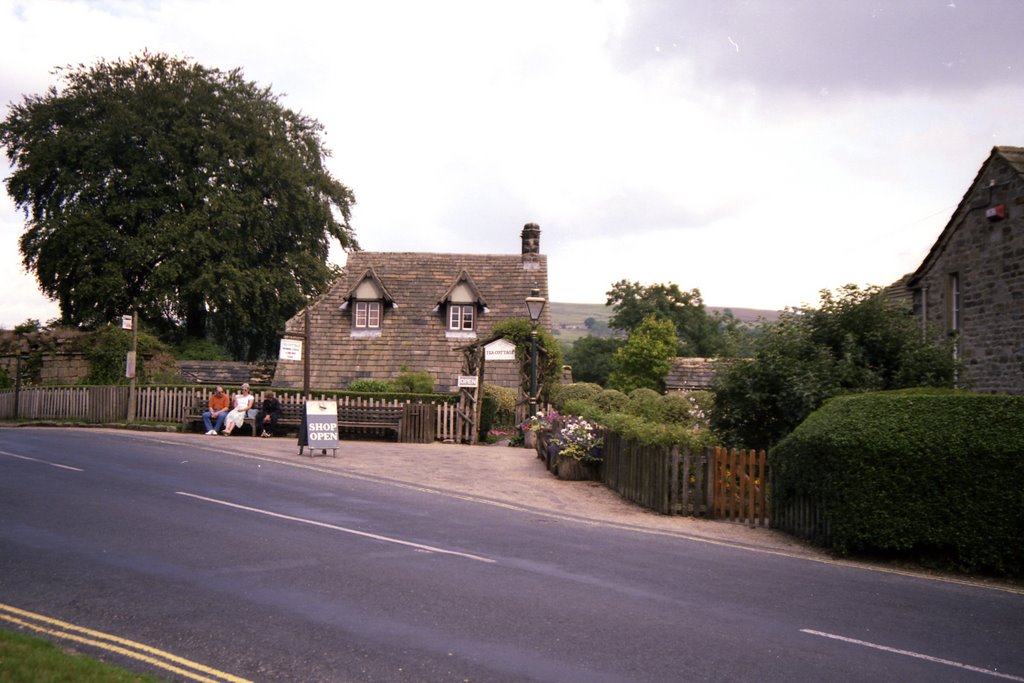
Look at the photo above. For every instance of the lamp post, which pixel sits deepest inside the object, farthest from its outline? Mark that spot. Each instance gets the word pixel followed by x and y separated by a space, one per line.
pixel 535 306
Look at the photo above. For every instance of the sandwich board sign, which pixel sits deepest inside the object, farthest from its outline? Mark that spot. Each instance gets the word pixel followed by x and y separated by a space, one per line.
pixel 319 426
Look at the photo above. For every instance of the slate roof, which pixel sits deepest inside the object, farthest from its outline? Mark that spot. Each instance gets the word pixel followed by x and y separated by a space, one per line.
pixel 414 330
pixel 216 372
pixel 691 374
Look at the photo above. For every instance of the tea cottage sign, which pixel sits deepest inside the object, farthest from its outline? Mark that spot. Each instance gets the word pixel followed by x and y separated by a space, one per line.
pixel 500 349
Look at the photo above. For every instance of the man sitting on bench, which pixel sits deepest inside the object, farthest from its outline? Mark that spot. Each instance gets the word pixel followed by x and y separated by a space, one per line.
pixel 268 415
pixel 218 410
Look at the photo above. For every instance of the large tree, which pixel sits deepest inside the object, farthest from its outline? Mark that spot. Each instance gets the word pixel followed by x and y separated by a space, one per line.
pixel 699 333
pixel 187 193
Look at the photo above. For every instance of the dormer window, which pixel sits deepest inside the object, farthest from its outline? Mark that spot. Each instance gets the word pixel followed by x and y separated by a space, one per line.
pixel 461 317
pixel 366 302
pixel 462 305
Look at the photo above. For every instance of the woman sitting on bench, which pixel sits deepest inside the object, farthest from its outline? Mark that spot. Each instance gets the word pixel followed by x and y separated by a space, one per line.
pixel 243 403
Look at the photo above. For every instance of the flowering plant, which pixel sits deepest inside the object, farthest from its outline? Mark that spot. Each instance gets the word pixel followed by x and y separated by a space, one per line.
pixel 578 439
pixel 541 422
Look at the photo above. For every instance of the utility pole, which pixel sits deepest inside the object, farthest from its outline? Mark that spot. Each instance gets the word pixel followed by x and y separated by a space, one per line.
pixel 305 355
pixel 131 364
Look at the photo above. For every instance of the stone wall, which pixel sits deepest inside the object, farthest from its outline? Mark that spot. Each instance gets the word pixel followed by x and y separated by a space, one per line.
pixel 984 256
pixel 63 368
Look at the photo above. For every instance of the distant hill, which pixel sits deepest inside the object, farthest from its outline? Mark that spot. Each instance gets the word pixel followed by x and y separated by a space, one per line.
pixel 569 320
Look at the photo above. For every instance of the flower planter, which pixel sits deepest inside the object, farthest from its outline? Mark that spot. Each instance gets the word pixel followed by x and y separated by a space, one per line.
pixel 571 469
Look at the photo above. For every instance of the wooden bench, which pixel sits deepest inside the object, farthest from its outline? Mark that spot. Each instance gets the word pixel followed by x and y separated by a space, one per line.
pixel 368 418
pixel 386 418
pixel 291 416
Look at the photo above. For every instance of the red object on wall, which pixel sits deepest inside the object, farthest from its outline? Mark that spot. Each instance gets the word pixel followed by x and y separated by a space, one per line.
pixel 996 213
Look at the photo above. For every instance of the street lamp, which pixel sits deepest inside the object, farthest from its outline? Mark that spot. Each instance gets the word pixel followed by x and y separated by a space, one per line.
pixel 535 306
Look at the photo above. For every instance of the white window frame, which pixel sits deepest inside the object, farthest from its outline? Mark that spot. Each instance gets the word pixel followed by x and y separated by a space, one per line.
pixel 366 315
pixel 461 317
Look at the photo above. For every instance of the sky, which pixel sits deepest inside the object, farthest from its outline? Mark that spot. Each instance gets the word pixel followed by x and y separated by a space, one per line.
pixel 757 150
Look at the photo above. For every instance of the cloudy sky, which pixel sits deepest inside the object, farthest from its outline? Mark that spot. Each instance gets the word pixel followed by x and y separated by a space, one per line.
pixel 757 150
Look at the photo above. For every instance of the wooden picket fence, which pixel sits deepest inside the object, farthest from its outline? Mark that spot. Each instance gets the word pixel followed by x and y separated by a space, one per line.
pixel 109 404
pixel 718 483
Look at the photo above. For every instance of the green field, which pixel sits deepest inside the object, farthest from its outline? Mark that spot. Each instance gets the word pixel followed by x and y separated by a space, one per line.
pixel 567 320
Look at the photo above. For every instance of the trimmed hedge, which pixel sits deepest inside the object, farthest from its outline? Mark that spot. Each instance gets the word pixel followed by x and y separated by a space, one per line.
pixel 928 475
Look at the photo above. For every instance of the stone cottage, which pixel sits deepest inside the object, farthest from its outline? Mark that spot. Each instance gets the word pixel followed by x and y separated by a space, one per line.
pixel 971 284
pixel 390 310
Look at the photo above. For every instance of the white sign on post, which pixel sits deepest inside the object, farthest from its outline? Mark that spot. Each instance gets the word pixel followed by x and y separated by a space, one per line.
pixel 467 381
pixel 126 322
pixel 500 349
pixel 291 349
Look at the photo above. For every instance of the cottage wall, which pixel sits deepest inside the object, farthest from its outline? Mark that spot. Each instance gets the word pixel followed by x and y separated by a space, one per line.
pixel 978 261
pixel 413 332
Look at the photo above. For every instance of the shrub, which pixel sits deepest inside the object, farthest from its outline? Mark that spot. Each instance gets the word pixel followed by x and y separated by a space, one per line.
pixel 675 409
pixel 107 348
pixel 370 386
pixel 928 475
pixel 646 403
pixel 611 401
pixel 587 409
pixel 408 382
pixel 584 391
pixel 488 406
pixel 504 405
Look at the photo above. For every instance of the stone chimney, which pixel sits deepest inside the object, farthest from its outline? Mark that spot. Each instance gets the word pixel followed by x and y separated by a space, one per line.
pixel 531 239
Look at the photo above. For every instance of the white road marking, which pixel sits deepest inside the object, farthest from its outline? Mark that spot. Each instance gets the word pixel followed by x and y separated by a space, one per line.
pixel 45 462
pixel 916 655
pixel 355 532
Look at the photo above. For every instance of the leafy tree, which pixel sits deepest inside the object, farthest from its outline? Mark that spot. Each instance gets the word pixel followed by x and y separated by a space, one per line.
pixel 646 357
pixel 188 193
pixel 30 325
pixel 855 341
pixel 699 333
pixel 592 358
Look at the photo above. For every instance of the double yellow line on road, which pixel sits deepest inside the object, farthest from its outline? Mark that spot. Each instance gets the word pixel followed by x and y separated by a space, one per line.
pixel 62 630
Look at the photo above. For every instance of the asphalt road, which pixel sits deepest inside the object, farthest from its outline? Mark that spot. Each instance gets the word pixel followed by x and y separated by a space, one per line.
pixel 269 570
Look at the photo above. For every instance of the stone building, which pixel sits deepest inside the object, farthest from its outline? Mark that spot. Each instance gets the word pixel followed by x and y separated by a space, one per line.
pixel 971 284
pixel 395 310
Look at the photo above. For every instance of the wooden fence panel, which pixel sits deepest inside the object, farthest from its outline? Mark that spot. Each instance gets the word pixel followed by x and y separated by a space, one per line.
pixel 740 486
pixel 108 404
pixel 418 423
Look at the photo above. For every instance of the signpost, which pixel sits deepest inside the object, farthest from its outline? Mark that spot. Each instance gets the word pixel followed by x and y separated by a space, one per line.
pixel 319 427
pixel 291 349
pixel 468 381
pixel 132 322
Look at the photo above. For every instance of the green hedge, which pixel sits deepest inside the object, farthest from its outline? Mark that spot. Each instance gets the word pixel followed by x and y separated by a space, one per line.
pixel 928 475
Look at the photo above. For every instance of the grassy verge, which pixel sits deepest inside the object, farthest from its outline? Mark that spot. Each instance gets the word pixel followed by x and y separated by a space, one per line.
pixel 33 660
